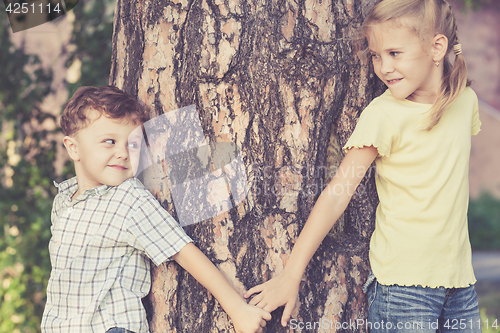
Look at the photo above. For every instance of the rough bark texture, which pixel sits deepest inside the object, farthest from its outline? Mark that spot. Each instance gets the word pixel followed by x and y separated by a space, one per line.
pixel 283 81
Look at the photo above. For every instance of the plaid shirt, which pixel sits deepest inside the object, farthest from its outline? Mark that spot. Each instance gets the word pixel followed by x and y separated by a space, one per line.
pixel 99 252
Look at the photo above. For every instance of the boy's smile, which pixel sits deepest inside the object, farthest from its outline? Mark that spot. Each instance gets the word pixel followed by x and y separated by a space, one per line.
pixel 102 152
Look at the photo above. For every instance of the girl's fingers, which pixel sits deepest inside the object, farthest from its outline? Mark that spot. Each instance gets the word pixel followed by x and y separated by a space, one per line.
pixel 269 307
pixel 262 304
pixel 286 313
pixel 256 300
pixel 263 323
pixel 254 290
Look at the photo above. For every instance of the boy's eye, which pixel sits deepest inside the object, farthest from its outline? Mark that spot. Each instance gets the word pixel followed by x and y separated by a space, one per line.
pixel 375 56
pixel 133 145
pixel 395 53
pixel 110 141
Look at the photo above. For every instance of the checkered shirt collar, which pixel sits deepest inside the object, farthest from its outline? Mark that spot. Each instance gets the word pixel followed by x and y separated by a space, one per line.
pixel 70 186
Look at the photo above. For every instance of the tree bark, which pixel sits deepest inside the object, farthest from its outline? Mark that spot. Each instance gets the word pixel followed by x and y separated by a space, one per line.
pixel 284 81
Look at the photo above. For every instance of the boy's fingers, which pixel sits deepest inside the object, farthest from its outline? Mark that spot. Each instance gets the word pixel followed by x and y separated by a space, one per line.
pixel 267 316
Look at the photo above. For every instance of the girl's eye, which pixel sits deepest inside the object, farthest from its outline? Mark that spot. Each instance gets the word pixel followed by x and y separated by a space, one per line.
pixel 133 145
pixel 394 53
pixel 110 141
pixel 375 56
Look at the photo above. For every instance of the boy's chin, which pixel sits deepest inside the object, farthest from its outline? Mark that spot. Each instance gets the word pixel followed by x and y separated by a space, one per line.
pixel 116 182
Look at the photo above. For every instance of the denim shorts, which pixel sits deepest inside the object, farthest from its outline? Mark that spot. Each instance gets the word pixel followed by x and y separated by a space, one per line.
pixel 417 309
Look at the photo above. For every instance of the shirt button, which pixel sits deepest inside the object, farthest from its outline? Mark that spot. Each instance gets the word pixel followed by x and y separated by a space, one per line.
pixel 70 210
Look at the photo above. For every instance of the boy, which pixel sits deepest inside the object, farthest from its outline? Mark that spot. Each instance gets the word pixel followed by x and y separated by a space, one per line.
pixel 105 226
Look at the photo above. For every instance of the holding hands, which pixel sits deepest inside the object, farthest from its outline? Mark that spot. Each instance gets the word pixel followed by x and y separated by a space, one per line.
pixel 248 318
pixel 284 288
pixel 281 290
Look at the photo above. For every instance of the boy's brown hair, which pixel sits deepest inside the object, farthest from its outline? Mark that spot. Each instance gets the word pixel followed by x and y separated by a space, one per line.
pixel 108 100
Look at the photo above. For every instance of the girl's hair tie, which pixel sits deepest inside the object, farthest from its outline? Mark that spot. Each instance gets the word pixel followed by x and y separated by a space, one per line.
pixel 457 49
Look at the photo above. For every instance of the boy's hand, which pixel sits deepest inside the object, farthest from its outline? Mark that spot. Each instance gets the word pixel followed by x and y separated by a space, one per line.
pixel 249 319
pixel 281 290
pixel 246 318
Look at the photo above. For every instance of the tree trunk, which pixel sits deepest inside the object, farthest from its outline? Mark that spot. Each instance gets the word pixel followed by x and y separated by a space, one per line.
pixel 284 82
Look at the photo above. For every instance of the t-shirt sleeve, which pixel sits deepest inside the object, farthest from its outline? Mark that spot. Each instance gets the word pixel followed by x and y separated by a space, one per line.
pixel 476 123
pixel 374 128
pixel 154 231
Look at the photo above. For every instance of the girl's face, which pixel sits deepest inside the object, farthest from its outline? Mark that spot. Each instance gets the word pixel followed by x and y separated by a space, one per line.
pixel 404 62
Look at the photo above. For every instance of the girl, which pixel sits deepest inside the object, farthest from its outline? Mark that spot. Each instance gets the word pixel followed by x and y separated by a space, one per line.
pixel 418 132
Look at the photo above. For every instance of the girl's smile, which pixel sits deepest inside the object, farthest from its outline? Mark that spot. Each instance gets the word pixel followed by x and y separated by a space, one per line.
pixel 404 62
pixel 394 81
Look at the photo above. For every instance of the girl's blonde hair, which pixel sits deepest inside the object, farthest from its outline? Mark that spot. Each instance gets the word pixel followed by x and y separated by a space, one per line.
pixel 428 17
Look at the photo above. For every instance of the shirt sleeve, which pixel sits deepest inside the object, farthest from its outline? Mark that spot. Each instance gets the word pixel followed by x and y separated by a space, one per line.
pixel 374 128
pixel 476 123
pixel 154 231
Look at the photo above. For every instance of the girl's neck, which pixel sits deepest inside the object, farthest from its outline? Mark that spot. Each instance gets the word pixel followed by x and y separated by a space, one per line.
pixel 423 98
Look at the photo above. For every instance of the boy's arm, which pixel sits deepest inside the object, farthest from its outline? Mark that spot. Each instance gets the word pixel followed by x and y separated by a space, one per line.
pixel 283 289
pixel 245 317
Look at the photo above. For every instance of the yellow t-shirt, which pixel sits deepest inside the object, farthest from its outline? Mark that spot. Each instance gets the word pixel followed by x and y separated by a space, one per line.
pixel 421 235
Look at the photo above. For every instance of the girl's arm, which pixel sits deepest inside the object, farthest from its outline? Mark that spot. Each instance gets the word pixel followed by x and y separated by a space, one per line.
pixel 283 289
pixel 246 318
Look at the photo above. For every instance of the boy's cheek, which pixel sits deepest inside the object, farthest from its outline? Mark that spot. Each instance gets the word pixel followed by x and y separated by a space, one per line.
pixel 134 161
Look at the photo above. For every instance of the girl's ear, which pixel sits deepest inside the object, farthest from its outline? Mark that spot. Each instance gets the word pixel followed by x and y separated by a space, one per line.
pixel 439 47
pixel 72 148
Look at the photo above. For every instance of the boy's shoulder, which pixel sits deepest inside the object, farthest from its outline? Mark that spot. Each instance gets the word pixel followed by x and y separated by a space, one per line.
pixel 134 186
pixel 66 185
pixel 132 190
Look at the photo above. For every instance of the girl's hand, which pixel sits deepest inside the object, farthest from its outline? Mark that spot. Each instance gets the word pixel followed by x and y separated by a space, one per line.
pixel 249 319
pixel 281 290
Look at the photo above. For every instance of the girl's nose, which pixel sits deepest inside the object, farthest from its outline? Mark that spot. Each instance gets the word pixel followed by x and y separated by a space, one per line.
pixel 386 66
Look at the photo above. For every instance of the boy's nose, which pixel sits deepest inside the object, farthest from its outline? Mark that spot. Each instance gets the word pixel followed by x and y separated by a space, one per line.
pixel 121 152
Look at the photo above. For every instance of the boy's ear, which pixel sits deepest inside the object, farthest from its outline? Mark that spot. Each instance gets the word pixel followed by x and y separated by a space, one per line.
pixel 439 47
pixel 72 147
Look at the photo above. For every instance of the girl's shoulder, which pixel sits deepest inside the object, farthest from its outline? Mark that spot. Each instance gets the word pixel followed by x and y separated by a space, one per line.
pixel 468 94
pixel 386 105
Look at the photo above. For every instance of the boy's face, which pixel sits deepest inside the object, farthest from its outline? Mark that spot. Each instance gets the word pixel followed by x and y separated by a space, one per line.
pixel 106 152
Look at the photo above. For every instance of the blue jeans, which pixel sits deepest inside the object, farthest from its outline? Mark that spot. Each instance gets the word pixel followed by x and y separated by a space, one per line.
pixel 118 330
pixel 417 309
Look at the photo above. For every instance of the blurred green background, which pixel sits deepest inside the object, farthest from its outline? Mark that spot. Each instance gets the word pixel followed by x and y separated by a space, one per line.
pixel 32 157
pixel 29 156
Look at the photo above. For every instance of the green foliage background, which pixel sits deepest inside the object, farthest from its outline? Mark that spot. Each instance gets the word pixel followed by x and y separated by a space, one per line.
pixel 27 160
pixel 27 170
pixel 484 222
pixel 25 204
